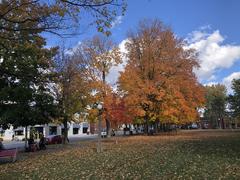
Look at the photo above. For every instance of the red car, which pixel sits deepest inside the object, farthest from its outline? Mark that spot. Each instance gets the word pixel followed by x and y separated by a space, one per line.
pixel 54 139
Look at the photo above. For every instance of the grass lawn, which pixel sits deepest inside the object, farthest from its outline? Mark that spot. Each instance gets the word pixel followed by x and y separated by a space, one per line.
pixel 189 155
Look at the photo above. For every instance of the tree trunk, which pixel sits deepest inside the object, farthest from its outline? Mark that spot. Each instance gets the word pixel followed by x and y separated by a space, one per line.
pixel 160 127
pixel 223 124
pixel 136 127
pixel 99 144
pixel 26 140
pixel 108 124
pixel 146 130
pixel 156 126
pixel 125 129
pixel 108 128
pixel 65 124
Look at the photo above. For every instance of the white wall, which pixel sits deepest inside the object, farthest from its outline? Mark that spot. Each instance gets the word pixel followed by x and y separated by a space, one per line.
pixel 9 132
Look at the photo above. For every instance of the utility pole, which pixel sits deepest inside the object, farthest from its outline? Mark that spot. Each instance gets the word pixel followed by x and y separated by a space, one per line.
pixel 99 143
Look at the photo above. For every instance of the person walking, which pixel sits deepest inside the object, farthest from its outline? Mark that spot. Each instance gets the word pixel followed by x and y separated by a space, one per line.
pixel 42 142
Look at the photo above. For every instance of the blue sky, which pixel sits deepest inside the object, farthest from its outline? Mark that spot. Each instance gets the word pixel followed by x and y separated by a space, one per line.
pixel 212 27
pixel 185 16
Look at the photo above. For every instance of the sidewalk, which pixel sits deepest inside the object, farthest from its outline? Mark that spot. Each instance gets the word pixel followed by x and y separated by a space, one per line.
pixel 73 138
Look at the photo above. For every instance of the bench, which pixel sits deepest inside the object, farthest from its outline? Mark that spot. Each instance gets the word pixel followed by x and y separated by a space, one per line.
pixel 9 153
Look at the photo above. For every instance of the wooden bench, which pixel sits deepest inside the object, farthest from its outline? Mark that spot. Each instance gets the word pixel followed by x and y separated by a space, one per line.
pixel 9 153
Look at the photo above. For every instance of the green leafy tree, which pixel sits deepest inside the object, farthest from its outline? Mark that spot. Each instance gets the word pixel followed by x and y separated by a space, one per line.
pixel 25 79
pixel 216 100
pixel 234 99
pixel 72 87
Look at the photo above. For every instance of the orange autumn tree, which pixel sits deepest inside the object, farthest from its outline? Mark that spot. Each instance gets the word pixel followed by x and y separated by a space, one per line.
pixel 117 111
pixel 158 81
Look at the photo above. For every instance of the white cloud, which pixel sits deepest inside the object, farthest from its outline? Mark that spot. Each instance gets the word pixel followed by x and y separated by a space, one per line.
pixel 211 83
pixel 117 21
pixel 212 53
pixel 71 51
pixel 227 81
pixel 114 71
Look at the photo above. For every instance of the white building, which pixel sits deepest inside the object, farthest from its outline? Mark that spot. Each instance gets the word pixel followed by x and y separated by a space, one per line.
pixel 46 130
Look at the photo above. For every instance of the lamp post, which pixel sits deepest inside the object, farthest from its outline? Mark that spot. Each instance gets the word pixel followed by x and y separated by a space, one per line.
pixel 99 145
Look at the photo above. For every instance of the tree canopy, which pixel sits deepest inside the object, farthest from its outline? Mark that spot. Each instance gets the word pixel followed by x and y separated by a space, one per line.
pixel 61 17
pixel 25 79
pixel 216 101
pixel 102 54
pixel 234 99
pixel 158 81
pixel 28 77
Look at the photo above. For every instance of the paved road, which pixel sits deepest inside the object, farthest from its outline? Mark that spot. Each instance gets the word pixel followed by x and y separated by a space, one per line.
pixel 20 144
pixel 72 139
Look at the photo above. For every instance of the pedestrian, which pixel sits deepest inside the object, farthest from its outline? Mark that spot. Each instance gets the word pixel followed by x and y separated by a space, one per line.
pixel 32 146
pixel 13 137
pixel 42 142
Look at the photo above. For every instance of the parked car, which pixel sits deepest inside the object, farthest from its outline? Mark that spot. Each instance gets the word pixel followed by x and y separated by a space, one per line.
pixel 194 126
pixel 104 133
pixel 205 125
pixel 54 139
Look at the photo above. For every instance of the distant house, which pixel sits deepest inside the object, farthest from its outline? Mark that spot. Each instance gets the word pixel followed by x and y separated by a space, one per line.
pixel 46 130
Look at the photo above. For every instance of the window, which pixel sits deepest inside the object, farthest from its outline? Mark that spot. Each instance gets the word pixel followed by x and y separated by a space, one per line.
pixel 75 130
pixel 39 129
pixel 85 129
pixel 18 133
pixel 53 130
